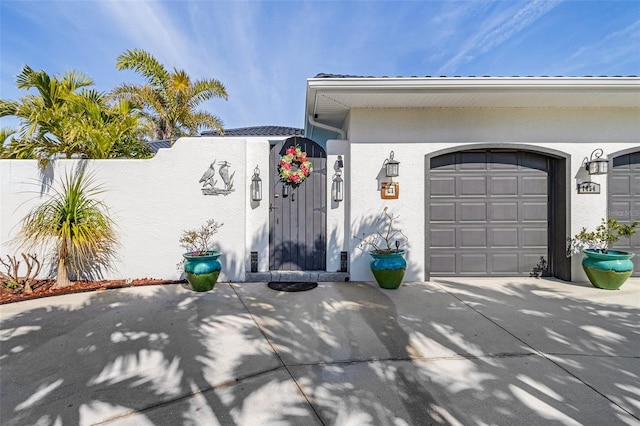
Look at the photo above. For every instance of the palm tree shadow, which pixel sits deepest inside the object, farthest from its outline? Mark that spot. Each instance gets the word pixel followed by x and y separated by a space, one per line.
pixel 120 352
pixel 372 356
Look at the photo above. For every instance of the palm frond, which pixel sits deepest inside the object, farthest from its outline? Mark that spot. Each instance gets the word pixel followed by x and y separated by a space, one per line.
pixel 144 63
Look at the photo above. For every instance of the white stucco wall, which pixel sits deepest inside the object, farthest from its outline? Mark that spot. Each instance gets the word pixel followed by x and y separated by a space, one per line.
pixel 414 133
pixel 337 212
pixel 153 201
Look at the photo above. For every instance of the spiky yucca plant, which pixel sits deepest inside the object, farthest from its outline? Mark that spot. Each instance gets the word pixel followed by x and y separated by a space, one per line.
pixel 75 224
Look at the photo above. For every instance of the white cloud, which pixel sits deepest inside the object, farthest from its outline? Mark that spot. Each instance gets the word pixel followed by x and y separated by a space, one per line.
pixel 498 29
pixel 616 49
pixel 150 26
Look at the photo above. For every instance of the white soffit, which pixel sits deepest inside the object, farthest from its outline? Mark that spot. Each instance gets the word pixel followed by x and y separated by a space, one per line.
pixel 332 98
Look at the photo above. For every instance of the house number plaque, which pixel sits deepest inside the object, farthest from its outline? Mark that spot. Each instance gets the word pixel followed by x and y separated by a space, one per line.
pixel 588 188
pixel 390 190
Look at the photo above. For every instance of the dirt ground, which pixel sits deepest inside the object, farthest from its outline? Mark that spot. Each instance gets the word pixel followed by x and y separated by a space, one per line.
pixel 43 288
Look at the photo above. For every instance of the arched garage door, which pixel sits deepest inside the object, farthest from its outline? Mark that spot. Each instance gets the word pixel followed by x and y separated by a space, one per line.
pixel 624 199
pixel 488 213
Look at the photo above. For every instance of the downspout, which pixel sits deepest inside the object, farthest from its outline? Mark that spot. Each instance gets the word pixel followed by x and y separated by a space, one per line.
pixel 342 133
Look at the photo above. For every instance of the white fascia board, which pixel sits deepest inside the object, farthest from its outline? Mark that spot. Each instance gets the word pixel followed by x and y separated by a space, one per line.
pixel 427 83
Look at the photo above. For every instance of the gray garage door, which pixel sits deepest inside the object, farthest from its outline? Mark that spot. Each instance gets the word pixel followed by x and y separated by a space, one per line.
pixel 624 199
pixel 488 213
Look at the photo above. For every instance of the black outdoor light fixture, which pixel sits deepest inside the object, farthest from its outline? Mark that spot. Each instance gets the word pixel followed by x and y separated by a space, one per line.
pixel 338 187
pixel 596 165
pixel 256 185
pixel 392 167
pixel 338 183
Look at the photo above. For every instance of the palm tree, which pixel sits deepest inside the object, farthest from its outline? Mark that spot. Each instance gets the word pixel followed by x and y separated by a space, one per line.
pixel 76 225
pixel 67 118
pixel 100 127
pixel 46 123
pixel 170 98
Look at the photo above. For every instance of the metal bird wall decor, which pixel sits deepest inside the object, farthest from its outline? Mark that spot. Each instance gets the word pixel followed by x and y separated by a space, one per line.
pixel 209 182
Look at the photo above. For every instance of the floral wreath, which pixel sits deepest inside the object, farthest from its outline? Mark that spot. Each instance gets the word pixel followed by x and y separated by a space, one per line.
pixel 294 167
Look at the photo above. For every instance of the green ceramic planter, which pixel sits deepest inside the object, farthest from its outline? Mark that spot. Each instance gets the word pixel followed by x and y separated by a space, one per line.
pixel 202 271
pixel 388 268
pixel 607 270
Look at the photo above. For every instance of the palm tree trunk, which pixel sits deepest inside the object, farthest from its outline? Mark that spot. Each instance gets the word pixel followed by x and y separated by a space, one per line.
pixel 62 277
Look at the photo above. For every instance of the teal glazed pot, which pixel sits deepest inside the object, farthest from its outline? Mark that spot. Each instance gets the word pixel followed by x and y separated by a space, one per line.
pixel 388 268
pixel 202 271
pixel 607 270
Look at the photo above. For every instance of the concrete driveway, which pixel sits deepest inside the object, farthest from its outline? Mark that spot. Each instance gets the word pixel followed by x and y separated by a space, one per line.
pixel 454 351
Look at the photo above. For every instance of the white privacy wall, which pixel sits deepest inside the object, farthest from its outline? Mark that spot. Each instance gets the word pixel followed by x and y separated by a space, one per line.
pixel 414 133
pixel 153 201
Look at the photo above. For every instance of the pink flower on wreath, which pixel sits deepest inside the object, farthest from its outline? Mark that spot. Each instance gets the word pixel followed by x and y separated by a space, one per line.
pixel 291 151
pixel 295 178
pixel 285 165
pixel 304 169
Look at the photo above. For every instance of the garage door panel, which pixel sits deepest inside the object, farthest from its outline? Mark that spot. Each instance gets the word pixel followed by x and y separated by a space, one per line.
pixel 443 212
pixel 443 263
pixel 619 210
pixel 501 212
pixel 624 200
pixel 530 261
pixel 473 212
pixel 534 185
pixel 534 237
pixel 505 238
pixel 504 212
pixel 475 263
pixel 620 185
pixel 443 186
pixel 532 212
pixel 473 238
pixel 473 185
pixel 504 185
pixel 443 238
pixel 505 263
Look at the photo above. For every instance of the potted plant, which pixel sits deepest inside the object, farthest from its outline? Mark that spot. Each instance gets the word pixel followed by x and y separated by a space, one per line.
pixel 387 258
pixel 605 268
pixel 201 265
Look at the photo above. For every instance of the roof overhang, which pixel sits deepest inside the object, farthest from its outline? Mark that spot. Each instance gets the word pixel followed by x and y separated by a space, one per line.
pixel 331 99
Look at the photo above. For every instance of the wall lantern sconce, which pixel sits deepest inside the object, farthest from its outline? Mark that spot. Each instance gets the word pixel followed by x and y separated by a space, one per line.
pixel 338 187
pixel 337 191
pixel 392 167
pixel 256 185
pixel 596 165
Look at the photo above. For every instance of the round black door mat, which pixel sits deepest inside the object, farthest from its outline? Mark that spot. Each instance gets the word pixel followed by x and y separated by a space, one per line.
pixel 293 286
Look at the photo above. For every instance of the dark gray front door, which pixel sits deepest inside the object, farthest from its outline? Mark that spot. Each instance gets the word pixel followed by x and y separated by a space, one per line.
pixel 488 213
pixel 624 200
pixel 297 219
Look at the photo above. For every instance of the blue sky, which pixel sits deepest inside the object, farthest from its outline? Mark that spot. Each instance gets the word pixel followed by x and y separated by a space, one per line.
pixel 263 51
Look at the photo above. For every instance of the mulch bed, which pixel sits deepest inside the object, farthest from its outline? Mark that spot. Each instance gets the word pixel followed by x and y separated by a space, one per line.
pixel 43 288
